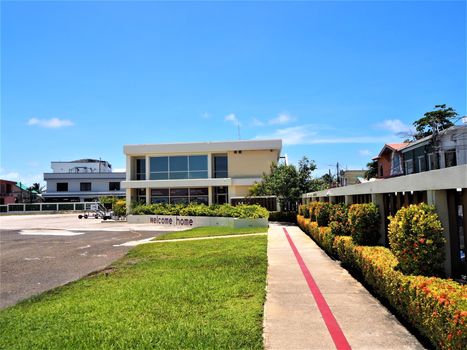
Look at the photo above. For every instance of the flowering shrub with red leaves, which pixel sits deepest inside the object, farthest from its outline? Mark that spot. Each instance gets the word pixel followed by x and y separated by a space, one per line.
pixel 338 220
pixel 436 307
pixel 364 223
pixel 416 239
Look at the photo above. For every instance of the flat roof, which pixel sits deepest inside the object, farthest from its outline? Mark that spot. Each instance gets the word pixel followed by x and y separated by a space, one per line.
pixel 192 147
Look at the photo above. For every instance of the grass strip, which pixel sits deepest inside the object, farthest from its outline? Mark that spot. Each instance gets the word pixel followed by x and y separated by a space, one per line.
pixel 210 231
pixel 203 295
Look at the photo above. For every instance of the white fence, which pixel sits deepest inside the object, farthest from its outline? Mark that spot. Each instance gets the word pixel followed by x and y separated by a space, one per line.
pixel 45 207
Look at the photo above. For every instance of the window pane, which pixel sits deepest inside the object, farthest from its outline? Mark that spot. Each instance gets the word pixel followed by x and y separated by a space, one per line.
pixel 159 199
pixel 85 186
pixel 179 175
pixel 178 200
pixel 140 165
pixel 159 192
pixel 199 199
pixel 159 164
pixel 198 175
pixel 62 186
pixel 198 163
pixel 202 191
pixel 179 163
pixel 159 176
pixel 114 186
pixel 179 192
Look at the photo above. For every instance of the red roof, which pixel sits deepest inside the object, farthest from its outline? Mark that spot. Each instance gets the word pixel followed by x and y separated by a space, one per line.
pixel 393 147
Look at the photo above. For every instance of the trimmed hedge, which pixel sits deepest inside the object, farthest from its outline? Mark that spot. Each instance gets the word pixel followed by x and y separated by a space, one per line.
pixel 226 210
pixel 436 307
pixel 364 223
pixel 416 239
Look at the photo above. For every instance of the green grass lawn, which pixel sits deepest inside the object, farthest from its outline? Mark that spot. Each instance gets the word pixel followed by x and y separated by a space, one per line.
pixel 209 231
pixel 180 295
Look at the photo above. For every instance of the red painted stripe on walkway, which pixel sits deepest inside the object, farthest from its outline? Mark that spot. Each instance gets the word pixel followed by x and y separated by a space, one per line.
pixel 338 337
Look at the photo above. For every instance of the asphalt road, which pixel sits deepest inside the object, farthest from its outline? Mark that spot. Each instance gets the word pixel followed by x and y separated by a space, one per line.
pixel 31 264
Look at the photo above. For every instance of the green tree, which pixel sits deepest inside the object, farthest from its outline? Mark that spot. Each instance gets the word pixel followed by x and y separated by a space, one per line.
pixel 372 170
pixel 287 182
pixel 434 121
pixel 36 187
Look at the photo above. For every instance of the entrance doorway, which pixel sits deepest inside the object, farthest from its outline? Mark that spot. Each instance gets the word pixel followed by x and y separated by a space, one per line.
pixel 221 195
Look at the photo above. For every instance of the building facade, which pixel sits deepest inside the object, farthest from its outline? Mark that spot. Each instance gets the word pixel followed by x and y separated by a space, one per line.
pixel 83 180
pixel 203 172
pixel 448 148
pixel 16 192
pixel 390 160
pixel 445 188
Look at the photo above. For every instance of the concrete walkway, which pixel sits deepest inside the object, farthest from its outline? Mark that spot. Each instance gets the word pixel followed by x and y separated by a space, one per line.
pixel 313 303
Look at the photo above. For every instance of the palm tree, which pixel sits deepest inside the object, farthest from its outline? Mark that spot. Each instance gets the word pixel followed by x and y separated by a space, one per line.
pixel 36 187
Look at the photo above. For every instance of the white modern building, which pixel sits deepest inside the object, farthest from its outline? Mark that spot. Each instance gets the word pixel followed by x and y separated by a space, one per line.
pixel 203 172
pixel 82 180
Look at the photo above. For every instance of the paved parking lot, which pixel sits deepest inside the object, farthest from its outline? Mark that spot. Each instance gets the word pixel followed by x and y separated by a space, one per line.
pixel 40 252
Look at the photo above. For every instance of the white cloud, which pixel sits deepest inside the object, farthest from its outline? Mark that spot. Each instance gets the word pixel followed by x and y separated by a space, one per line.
pixel 395 125
pixel 232 118
pixel 364 152
pixel 282 118
pixel 205 115
pixel 257 122
pixel 308 135
pixel 52 123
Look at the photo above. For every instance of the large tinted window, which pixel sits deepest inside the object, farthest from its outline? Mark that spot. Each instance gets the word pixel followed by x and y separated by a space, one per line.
pixel 178 167
pixel 198 167
pixel 62 186
pixel 159 168
pixel 220 167
pixel 141 169
pixel 179 195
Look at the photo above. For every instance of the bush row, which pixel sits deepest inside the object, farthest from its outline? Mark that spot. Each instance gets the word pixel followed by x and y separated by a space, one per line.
pixel 359 220
pixel 436 307
pixel 225 210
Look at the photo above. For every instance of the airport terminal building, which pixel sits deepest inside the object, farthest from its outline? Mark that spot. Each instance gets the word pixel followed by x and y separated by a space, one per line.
pixel 203 172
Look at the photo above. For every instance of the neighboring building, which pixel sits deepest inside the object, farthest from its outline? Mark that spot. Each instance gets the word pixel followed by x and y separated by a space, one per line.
pixel 448 149
pixel 205 172
pixel 82 180
pixel 445 188
pixel 16 192
pixel 351 177
pixel 390 160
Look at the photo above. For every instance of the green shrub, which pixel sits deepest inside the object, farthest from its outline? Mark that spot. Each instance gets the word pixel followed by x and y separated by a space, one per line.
pixel 364 222
pixel 304 210
pixel 283 216
pixel 312 208
pixel 322 214
pixel 119 207
pixel 436 307
pixel 416 239
pixel 338 220
pixel 226 210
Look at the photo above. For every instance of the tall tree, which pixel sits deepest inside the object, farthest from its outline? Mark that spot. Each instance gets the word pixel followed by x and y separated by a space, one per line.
pixel 286 182
pixel 36 187
pixel 372 170
pixel 434 121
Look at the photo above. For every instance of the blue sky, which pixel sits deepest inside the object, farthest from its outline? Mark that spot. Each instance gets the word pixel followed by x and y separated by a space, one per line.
pixel 335 80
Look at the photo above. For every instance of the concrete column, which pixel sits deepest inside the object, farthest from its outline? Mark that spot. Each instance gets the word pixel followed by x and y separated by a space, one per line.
pixel 209 194
pixel 148 195
pixel 378 199
pixel 147 168
pixel 348 199
pixel 209 165
pixel 440 201
pixel 128 198
pixel 128 168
